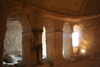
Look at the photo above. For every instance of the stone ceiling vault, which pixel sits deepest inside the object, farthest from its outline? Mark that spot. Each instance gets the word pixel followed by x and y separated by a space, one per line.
pixel 69 7
pixel 64 8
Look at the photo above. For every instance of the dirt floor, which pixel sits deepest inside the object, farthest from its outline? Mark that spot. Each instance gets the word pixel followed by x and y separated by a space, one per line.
pixel 84 63
pixel 79 62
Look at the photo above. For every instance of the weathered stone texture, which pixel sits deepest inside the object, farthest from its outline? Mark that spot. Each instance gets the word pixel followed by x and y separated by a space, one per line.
pixel 32 14
pixel 91 36
pixel 13 39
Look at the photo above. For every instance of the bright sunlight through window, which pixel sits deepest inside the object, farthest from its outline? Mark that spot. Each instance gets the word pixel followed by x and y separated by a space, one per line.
pixel 75 39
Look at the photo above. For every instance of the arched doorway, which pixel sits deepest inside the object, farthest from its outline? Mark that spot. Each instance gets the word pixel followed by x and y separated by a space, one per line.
pixel 67 44
pixel 17 38
pixel 13 43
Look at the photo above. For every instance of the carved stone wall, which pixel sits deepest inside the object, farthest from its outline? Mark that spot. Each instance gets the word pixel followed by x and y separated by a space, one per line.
pixel 91 36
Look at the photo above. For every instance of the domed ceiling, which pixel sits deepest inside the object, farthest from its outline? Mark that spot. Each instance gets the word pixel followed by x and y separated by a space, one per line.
pixel 63 7
pixel 69 7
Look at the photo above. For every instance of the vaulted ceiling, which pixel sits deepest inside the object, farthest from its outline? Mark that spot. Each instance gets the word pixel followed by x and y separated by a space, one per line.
pixel 62 8
pixel 69 7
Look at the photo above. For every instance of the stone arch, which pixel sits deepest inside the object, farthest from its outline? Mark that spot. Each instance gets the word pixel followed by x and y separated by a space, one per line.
pixel 26 33
pixel 66 28
pixel 77 28
pixel 67 43
pixel 76 38
pixel 49 26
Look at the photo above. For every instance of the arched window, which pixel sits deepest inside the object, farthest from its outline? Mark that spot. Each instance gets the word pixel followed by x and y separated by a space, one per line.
pixel 17 40
pixel 67 44
pixel 76 38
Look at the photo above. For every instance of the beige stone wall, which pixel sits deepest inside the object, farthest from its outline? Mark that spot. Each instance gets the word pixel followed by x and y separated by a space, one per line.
pixel 31 18
pixel 91 36
pixel 13 38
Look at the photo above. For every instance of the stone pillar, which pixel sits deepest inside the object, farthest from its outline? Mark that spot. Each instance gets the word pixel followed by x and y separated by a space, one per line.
pixel 54 45
pixel 26 59
pixel 50 46
pixel 36 47
pixel 54 48
pixel 58 41
pixel 67 45
pixel 58 44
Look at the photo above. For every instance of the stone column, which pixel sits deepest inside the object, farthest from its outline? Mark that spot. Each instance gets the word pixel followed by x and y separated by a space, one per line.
pixel 50 45
pixel 26 59
pixel 54 48
pixel 58 41
pixel 54 45
pixel 58 44
pixel 36 47
pixel 67 45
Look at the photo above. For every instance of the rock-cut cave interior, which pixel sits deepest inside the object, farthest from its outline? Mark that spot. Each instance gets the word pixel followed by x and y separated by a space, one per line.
pixel 49 33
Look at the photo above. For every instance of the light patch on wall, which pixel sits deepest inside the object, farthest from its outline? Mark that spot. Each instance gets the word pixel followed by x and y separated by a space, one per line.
pixel 82 50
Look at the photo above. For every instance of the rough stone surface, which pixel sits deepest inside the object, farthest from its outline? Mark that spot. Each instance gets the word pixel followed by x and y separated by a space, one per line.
pixel 91 36
pixel 32 14
pixel 13 39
